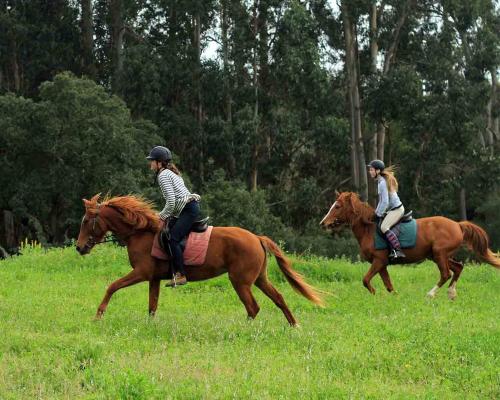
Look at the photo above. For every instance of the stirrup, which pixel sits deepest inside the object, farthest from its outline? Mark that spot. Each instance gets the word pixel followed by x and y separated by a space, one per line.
pixel 395 254
pixel 174 282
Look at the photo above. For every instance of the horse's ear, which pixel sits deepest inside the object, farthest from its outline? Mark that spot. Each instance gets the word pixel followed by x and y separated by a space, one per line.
pixel 337 193
pixel 95 198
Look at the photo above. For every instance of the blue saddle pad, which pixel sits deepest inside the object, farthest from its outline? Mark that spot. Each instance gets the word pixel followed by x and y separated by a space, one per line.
pixel 407 235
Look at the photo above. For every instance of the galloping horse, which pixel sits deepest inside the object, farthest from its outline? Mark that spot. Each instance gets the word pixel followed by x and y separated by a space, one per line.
pixel 236 251
pixel 438 238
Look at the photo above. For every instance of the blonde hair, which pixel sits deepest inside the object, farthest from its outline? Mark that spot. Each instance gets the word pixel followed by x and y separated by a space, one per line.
pixel 389 176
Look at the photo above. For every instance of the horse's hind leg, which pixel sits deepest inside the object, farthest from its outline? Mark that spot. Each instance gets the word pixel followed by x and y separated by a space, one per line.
pixel 441 260
pixel 456 267
pixel 270 291
pixel 384 274
pixel 246 297
pixel 128 280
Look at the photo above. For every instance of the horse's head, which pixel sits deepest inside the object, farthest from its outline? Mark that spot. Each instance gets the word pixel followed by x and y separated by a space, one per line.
pixel 93 227
pixel 342 212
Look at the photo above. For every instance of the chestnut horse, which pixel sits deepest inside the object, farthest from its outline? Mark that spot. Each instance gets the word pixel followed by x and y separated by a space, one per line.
pixel 438 238
pixel 236 251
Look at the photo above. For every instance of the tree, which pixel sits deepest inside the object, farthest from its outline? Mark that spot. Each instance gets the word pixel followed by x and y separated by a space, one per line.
pixel 87 39
pixel 76 131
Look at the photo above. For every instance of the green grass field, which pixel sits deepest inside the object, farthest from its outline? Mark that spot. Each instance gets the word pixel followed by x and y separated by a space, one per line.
pixel 200 344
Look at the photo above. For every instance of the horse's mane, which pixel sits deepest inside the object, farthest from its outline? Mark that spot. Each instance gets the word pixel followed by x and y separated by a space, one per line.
pixel 361 210
pixel 135 210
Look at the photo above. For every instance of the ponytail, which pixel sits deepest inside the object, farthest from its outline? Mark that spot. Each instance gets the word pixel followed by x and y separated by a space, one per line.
pixel 389 176
pixel 171 166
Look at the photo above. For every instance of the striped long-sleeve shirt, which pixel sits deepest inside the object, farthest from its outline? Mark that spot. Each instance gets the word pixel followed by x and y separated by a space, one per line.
pixel 175 193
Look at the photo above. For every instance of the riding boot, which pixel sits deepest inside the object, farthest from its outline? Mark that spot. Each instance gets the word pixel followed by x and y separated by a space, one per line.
pixel 179 274
pixel 396 246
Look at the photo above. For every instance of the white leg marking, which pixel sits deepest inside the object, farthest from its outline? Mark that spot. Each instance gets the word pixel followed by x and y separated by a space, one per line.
pixel 452 291
pixel 433 292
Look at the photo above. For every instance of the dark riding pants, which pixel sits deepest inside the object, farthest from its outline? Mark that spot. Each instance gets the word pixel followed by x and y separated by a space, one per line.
pixel 179 231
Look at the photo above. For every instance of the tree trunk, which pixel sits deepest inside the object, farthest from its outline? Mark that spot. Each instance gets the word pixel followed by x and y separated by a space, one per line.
pixel 117 32
pixel 358 160
pixel 87 39
pixel 255 148
pixel 492 133
pixel 228 109
pixel 15 76
pixel 379 142
pixel 198 98
pixel 462 204
pixel 264 84
pixel 373 37
pixel 8 232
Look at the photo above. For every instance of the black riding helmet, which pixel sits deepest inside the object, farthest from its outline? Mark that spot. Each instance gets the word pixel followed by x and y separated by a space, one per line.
pixel 160 153
pixel 377 164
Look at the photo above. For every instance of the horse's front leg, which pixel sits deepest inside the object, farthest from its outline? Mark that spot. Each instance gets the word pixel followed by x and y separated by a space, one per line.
pixel 384 274
pixel 377 265
pixel 154 294
pixel 130 279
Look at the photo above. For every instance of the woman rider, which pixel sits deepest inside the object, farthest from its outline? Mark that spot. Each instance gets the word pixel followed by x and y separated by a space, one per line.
pixel 180 203
pixel 390 209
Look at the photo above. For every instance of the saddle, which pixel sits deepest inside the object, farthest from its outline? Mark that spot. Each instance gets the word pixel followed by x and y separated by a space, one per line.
pixel 405 229
pixel 408 217
pixel 164 236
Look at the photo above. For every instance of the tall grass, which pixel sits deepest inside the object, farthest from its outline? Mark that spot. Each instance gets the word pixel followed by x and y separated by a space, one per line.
pixel 200 344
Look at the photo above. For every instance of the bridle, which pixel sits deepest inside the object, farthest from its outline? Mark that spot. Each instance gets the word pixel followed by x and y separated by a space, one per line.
pixel 91 242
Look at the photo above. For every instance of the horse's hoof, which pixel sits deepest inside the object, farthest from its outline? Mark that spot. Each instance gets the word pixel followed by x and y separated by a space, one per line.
pixel 452 295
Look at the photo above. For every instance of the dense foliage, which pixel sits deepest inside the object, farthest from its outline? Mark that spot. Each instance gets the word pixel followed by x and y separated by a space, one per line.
pixel 287 98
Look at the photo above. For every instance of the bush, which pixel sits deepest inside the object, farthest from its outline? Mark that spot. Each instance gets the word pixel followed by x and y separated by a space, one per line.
pixel 229 203
pixel 318 242
pixel 489 218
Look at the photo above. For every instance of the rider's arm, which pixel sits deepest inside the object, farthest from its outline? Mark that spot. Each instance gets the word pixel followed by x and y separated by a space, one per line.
pixel 383 198
pixel 167 189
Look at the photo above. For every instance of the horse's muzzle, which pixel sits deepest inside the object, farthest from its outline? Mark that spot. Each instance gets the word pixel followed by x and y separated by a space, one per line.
pixel 83 250
pixel 333 226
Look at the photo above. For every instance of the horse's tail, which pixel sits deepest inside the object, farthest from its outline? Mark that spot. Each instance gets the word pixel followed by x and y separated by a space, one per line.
pixel 295 279
pixel 477 240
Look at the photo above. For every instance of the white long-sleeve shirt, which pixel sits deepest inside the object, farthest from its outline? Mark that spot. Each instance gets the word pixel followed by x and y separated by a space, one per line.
pixel 175 193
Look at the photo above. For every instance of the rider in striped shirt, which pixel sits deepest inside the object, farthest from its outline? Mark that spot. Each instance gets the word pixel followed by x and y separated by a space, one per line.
pixel 179 203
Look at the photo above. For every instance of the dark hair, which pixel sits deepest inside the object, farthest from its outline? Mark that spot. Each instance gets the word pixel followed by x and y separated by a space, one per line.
pixel 171 166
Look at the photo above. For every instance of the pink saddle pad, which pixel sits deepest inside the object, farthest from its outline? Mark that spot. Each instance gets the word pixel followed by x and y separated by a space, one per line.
pixel 195 251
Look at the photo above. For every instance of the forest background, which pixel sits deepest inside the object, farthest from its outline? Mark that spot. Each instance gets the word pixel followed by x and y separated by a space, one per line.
pixel 268 106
